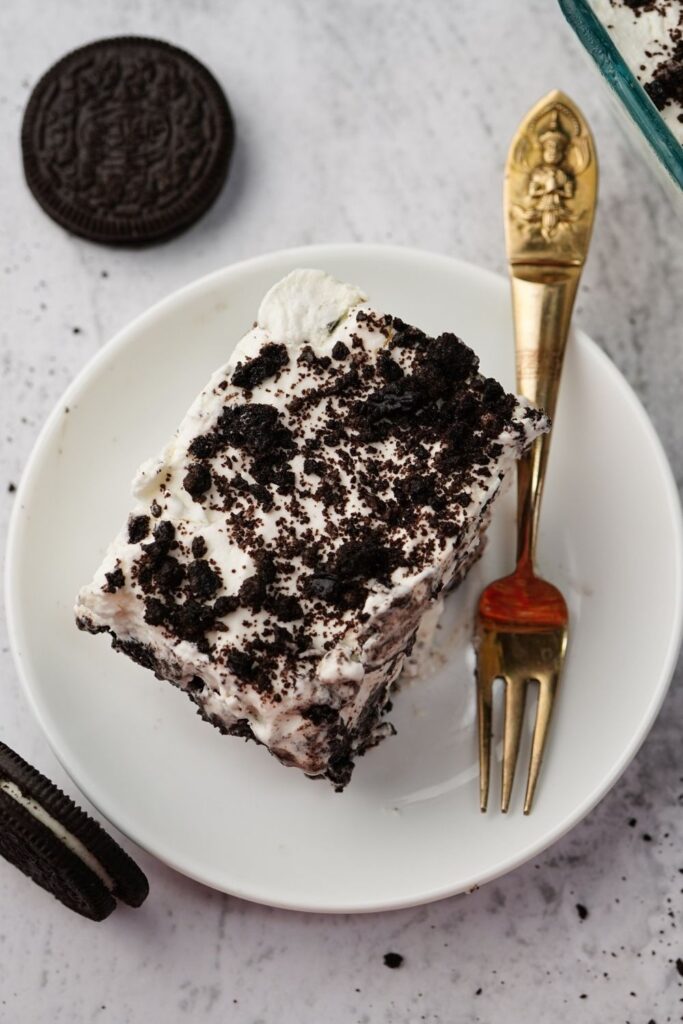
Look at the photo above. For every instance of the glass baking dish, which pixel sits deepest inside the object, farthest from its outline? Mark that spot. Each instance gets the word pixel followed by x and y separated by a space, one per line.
pixel 642 121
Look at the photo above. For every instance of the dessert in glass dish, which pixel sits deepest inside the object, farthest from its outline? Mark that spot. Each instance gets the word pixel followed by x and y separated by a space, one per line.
pixel 649 36
pixel 637 46
pixel 324 491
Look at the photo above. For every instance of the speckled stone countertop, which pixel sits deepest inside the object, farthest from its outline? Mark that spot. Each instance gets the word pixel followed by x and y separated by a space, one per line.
pixel 385 121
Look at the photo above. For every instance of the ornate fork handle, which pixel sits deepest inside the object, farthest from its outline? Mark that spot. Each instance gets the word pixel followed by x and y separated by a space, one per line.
pixel 542 313
pixel 550 194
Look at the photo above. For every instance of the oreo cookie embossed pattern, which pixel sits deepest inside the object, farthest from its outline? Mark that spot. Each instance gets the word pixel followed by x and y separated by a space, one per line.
pixel 127 141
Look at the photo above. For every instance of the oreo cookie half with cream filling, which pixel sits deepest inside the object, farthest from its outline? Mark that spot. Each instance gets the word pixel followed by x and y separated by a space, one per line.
pixel 48 837
pixel 294 538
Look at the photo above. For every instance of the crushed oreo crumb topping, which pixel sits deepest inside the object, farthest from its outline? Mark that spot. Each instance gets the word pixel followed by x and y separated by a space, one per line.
pixel 198 546
pixel 340 351
pixel 115 580
pixel 202 580
pixel 270 360
pixel 225 605
pixel 197 480
pixel 138 528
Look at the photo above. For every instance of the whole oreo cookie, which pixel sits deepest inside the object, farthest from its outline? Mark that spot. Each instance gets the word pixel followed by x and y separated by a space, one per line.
pixel 48 837
pixel 127 140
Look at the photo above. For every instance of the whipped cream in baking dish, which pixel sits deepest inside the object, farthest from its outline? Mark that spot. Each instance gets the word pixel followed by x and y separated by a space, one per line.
pixel 649 36
pixel 332 481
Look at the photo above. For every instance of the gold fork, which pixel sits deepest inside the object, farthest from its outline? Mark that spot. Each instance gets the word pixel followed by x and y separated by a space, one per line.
pixel 521 627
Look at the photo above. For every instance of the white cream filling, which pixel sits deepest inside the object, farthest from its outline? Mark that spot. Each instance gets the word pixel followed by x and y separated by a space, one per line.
pixel 71 841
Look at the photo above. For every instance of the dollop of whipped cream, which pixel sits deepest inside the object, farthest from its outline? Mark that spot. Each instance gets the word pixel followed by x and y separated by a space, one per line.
pixel 306 307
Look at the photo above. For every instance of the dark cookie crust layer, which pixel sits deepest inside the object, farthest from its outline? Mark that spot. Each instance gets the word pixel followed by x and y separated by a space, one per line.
pixel 130 884
pixel 127 140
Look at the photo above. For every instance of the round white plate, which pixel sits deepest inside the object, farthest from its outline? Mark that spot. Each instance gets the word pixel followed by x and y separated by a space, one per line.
pixel 408 828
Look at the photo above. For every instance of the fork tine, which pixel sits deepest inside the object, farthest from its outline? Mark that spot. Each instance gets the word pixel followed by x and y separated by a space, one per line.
pixel 484 702
pixel 546 700
pixel 515 696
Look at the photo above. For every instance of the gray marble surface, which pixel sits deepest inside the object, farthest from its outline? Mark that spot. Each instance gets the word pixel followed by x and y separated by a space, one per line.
pixel 373 121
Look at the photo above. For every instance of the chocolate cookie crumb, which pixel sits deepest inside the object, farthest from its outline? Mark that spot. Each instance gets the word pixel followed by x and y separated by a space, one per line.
pixel 320 713
pixel 285 607
pixel 252 592
pixel 155 612
pixel 225 605
pixel 138 528
pixel 388 367
pixel 204 446
pixel 340 351
pixel 197 480
pixel 164 532
pixel 202 580
pixel 314 467
pixel 241 664
pixel 270 360
pixel 199 547
pixel 115 580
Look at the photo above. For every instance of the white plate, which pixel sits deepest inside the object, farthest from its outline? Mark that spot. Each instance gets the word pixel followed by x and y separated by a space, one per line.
pixel 408 828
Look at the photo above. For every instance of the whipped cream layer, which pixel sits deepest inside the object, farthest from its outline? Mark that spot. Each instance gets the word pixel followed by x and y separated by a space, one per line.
pixel 649 36
pixel 332 481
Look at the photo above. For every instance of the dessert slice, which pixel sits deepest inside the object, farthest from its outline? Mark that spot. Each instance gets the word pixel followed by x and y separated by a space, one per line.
pixel 330 483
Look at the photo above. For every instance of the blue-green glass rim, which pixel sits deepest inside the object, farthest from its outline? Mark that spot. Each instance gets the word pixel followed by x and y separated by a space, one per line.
pixel 598 44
